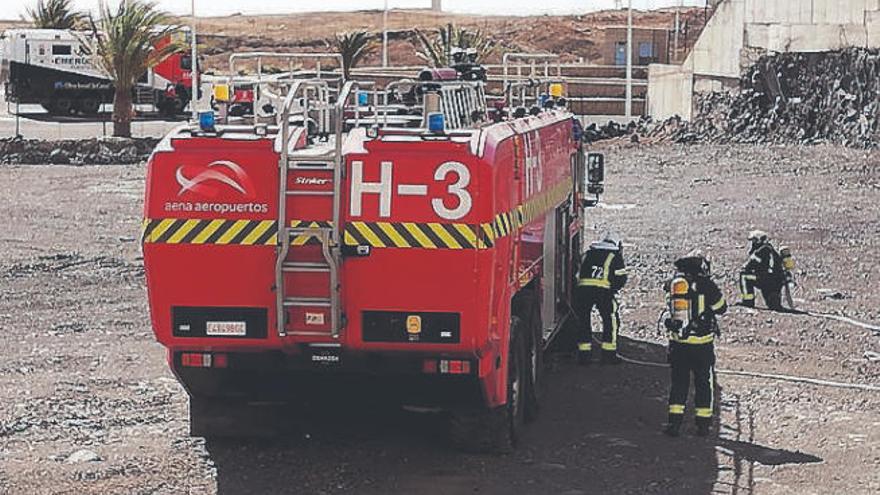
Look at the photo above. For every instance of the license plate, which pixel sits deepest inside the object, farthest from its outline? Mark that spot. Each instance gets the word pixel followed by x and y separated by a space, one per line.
pixel 226 328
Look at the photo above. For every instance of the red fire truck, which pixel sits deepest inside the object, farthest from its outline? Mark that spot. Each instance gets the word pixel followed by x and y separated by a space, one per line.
pixel 410 238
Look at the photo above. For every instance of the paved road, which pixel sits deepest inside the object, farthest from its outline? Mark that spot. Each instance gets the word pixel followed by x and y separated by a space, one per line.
pixel 35 123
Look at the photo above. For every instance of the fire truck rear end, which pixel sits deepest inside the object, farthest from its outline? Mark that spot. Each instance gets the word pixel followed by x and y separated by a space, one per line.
pixel 407 238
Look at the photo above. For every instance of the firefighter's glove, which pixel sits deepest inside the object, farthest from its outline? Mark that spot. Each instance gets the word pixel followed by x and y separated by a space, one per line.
pixel 673 325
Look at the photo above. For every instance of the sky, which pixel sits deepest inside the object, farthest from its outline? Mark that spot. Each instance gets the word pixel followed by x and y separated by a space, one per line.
pixel 14 9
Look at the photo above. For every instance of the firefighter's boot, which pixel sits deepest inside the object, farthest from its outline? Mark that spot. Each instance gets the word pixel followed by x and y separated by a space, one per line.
pixel 673 426
pixel 584 354
pixel 703 426
pixel 610 357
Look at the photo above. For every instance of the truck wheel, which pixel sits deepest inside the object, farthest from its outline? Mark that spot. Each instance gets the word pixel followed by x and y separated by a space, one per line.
pixel 88 106
pixel 497 430
pixel 62 106
pixel 534 361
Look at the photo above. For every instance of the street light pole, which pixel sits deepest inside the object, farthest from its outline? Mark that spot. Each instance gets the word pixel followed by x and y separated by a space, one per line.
pixel 385 35
pixel 629 60
pixel 194 67
pixel 677 26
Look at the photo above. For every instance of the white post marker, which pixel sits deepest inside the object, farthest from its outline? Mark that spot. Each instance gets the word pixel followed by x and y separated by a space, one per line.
pixel 194 67
pixel 629 60
pixel 385 35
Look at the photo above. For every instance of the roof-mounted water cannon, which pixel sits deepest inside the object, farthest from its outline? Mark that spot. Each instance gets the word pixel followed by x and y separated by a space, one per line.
pixel 464 61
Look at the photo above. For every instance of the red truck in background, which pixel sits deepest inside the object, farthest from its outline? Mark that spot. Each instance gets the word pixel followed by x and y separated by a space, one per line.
pixel 56 69
pixel 429 247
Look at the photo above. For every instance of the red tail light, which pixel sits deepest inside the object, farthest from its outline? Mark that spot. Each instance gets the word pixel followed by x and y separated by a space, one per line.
pixel 203 360
pixel 447 366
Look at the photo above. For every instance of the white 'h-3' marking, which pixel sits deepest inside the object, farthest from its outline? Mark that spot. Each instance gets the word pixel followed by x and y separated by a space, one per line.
pixel 382 188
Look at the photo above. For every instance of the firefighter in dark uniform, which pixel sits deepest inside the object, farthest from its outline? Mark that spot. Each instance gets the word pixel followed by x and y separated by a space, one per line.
pixel 695 300
pixel 602 274
pixel 764 271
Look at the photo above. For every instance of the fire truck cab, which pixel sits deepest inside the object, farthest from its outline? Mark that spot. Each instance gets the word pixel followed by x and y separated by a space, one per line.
pixel 412 239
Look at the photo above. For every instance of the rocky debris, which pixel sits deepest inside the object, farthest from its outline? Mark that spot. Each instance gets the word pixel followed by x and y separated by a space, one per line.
pixel 106 266
pixel 81 456
pixel 59 157
pixel 611 130
pixel 789 98
pixel 99 151
pixel 831 294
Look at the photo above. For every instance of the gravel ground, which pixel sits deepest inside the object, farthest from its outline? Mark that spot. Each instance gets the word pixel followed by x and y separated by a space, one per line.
pixel 87 404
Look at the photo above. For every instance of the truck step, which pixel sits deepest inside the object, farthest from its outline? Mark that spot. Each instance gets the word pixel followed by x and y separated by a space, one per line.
pixel 298 231
pixel 309 193
pixel 306 301
pixel 298 266
pixel 321 163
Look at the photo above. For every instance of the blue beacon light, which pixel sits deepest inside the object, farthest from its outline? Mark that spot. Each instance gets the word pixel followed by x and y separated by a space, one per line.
pixel 206 121
pixel 436 122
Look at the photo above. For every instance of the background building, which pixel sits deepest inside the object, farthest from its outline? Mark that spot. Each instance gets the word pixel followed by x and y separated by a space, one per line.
pixel 740 31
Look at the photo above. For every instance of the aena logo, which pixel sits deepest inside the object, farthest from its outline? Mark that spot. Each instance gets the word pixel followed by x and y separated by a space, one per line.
pixel 211 180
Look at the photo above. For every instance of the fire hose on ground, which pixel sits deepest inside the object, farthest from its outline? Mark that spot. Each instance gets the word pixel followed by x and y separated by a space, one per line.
pixel 774 376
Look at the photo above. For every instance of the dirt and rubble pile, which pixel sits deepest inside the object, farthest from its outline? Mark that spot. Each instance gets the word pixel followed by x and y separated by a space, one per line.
pixel 103 151
pixel 793 98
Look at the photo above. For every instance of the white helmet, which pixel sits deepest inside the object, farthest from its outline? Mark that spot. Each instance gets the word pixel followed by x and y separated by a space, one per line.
pixel 609 242
pixel 696 253
pixel 612 238
pixel 758 235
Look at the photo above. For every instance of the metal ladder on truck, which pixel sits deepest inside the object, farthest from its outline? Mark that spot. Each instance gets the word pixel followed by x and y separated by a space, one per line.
pixel 307 269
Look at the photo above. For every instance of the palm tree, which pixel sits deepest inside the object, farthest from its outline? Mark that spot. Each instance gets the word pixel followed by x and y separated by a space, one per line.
pixel 54 14
pixel 125 42
pixel 437 50
pixel 353 47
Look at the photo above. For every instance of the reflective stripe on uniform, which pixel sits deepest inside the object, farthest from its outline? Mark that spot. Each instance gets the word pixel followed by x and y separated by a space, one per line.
pixel 720 304
pixel 676 408
pixel 585 346
pixel 744 285
pixel 705 339
pixel 748 297
pixel 615 324
pixel 621 272
pixel 599 282
pixel 704 412
pixel 711 389
pixel 701 304
pixel 594 282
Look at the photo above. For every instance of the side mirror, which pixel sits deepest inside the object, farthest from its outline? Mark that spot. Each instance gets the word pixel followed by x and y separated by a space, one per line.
pixel 594 179
pixel 595 173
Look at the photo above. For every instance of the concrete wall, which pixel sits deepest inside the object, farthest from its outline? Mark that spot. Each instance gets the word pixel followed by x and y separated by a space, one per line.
pixel 670 91
pixel 741 30
pixel 781 25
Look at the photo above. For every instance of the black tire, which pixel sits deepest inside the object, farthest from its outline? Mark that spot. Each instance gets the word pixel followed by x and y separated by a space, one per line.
pixel 529 311
pixel 88 105
pixel 496 431
pixel 62 106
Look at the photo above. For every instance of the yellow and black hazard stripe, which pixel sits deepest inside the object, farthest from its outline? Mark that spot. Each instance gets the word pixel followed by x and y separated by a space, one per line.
pixel 411 235
pixel 303 239
pixel 509 222
pixel 217 231
pixel 375 234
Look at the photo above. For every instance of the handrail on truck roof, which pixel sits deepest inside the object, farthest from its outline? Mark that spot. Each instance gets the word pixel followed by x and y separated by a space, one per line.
pixel 290 57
